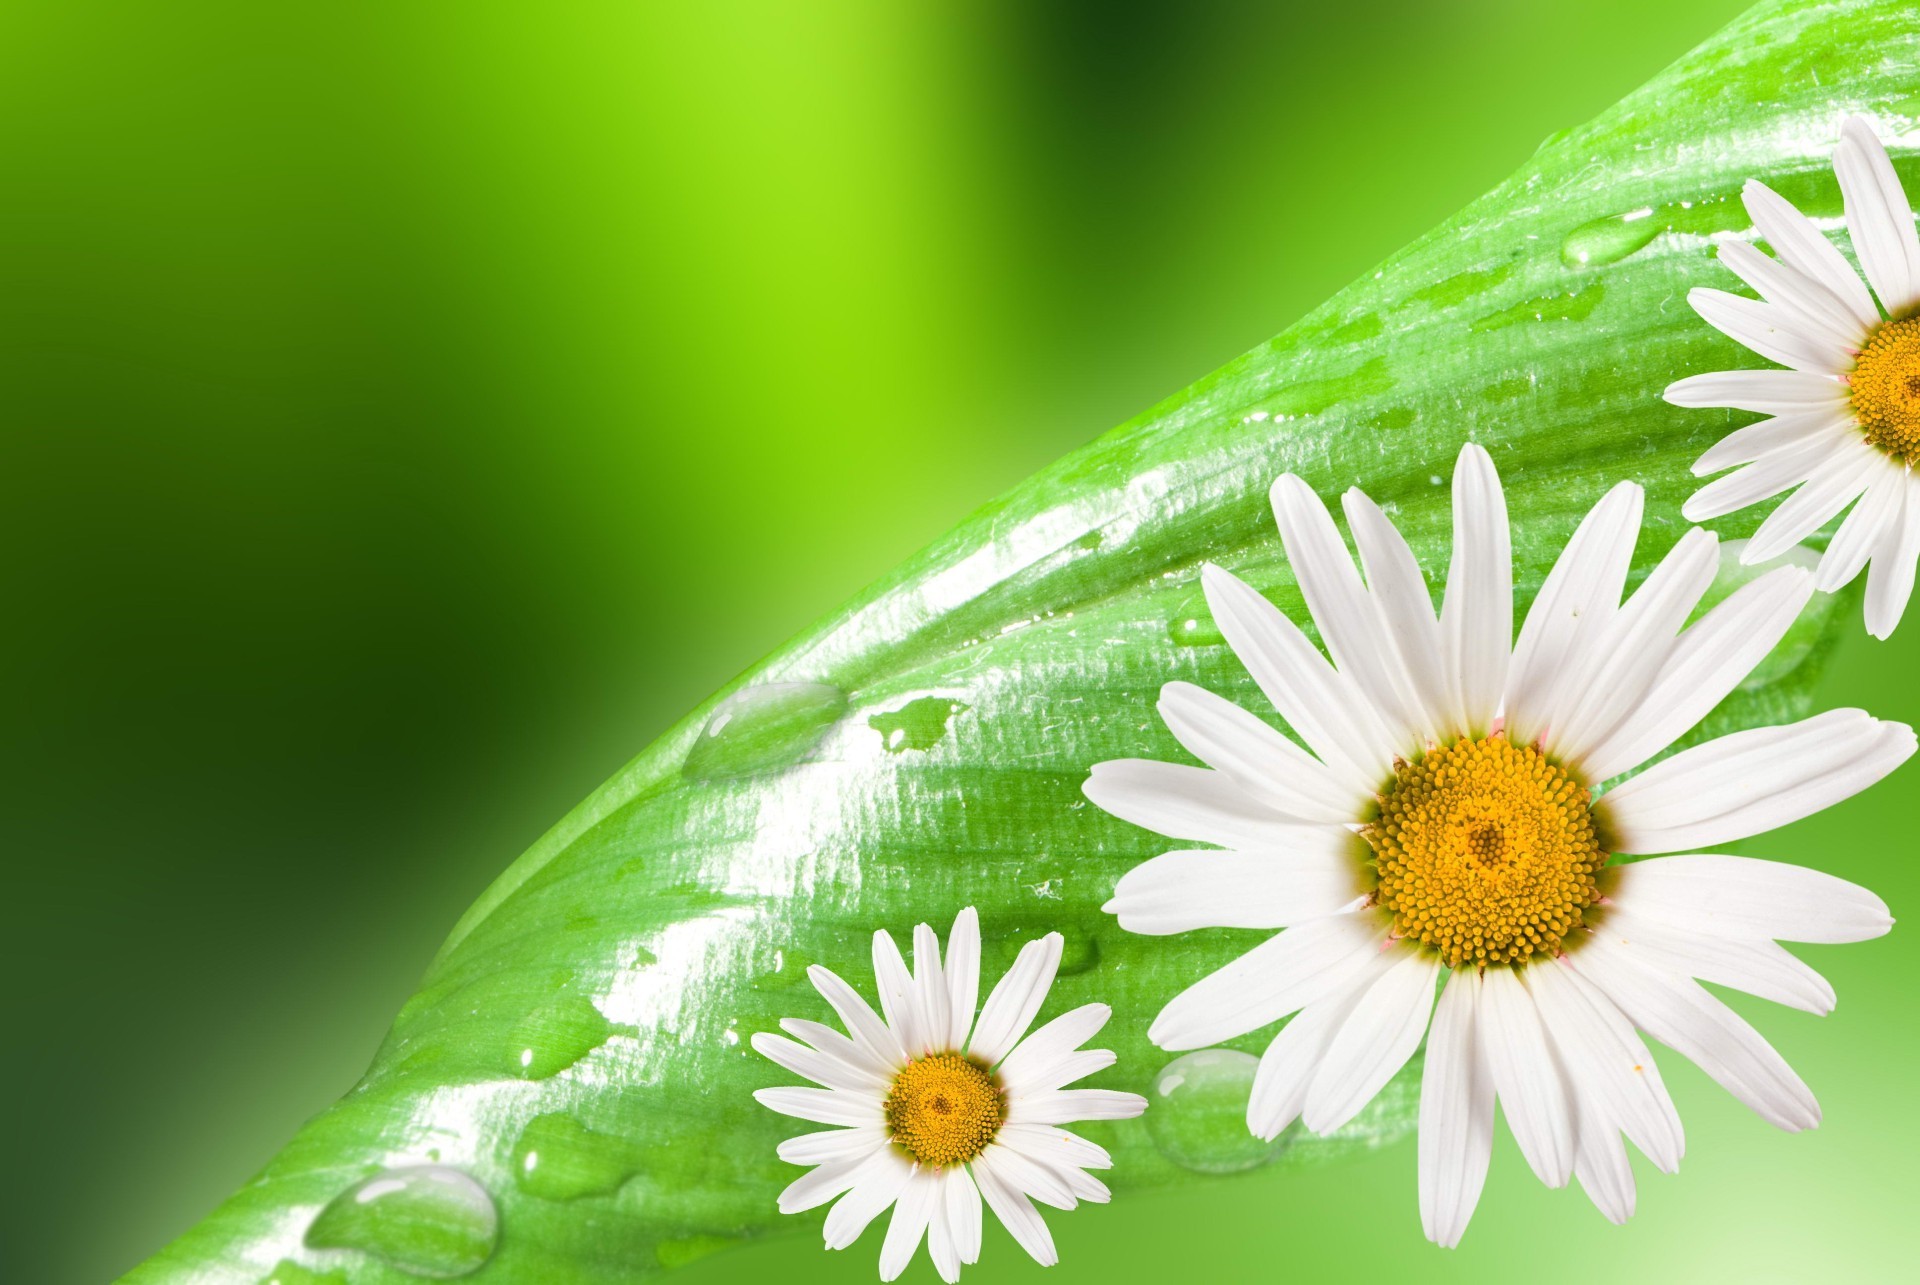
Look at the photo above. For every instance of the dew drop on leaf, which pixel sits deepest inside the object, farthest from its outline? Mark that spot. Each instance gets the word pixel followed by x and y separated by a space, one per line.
pixel 426 1220
pixel 1197 1113
pixel 558 1158
pixel 763 728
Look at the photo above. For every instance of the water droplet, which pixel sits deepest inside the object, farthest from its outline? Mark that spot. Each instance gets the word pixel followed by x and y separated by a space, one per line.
pixel 554 1036
pixel 917 725
pixel 558 1158
pixel 763 729
pixel 1360 329
pixel 289 1272
pixel 678 1253
pixel 1198 1116
pixel 1192 624
pixel 427 1220
pixel 1571 305
pixel 1461 287
pixel 1311 396
pixel 1396 418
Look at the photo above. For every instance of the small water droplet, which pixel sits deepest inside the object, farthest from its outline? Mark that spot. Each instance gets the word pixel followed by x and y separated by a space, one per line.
pixel 1198 1113
pixel 558 1158
pixel 426 1220
pixel 1394 418
pixel 917 725
pixel 1311 396
pixel 1460 287
pixel 1570 305
pixel 288 1272
pixel 1192 624
pixel 556 1035
pixel 763 729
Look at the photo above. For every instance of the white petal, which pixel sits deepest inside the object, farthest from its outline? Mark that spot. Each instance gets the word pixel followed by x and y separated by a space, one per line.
pixel 940 1245
pixel 1531 1092
pixel 821 1068
pixel 1890 574
pixel 1281 974
pixel 1788 465
pixel 823 1106
pixel 1800 245
pixel 1711 658
pixel 897 997
pixel 1818 309
pixel 1034 1056
pixel 1264 764
pixel 931 1003
pixel 830 1145
pixel 853 1052
pixel 1016 1213
pixel 1186 803
pixel 883 1177
pixel 868 1031
pixel 833 1178
pixel 1745 898
pixel 963 976
pixel 1828 490
pixel 1323 706
pixel 1287 1069
pixel 1064 1106
pixel 1754 965
pixel 1606 1073
pixel 1864 529
pixel 1630 649
pixel 1376 1040
pixel 1879 217
pixel 1055 1146
pixel 1456 1114
pixel 1662 1138
pixel 1775 333
pixel 1764 392
pixel 1476 617
pixel 1182 890
pixel 1578 596
pixel 911 1215
pixel 1011 1007
pixel 1405 608
pixel 1750 782
pixel 1600 1163
pixel 1678 1013
pixel 1342 610
pixel 963 1213
pixel 1822 430
pixel 1025 1174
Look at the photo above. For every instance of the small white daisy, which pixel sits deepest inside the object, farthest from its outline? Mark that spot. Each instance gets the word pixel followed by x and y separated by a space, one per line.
pixel 931 1120
pixel 1844 422
pixel 1442 817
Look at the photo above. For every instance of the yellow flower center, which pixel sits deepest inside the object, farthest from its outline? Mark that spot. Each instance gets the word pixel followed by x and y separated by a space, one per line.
pixel 1486 852
pixel 944 1109
pixel 1886 389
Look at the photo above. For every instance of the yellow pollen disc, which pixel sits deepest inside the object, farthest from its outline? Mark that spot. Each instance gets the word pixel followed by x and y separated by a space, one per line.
pixel 944 1109
pixel 1486 852
pixel 1886 389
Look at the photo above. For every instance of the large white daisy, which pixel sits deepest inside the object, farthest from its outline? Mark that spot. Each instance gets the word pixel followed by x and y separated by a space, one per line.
pixel 1844 420
pixel 1441 821
pixel 934 1111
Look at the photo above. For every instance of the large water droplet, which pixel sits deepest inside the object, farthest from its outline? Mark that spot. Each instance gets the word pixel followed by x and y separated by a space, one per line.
pixel 1572 305
pixel 763 729
pixel 426 1220
pixel 556 1035
pixel 289 1272
pixel 917 725
pixel 1198 1116
pixel 558 1158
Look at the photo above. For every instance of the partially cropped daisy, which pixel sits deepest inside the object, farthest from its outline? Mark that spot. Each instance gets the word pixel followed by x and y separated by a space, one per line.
pixel 934 1111
pixel 1844 422
pixel 1441 822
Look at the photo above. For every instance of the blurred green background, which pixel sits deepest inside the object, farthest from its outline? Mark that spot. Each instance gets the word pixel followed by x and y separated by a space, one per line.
pixel 413 408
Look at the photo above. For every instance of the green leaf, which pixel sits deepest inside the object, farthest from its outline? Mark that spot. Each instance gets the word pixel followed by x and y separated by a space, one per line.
pixel 579 1048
